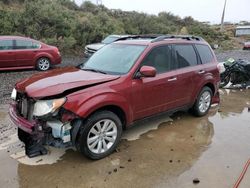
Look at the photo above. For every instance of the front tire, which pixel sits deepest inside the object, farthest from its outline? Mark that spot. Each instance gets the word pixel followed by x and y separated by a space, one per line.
pixel 225 81
pixel 99 135
pixel 43 64
pixel 203 102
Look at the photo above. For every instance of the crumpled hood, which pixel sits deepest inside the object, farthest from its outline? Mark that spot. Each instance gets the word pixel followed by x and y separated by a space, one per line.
pixel 60 80
pixel 95 46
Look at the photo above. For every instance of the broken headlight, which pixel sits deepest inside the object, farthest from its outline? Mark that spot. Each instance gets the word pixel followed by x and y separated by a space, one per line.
pixel 44 107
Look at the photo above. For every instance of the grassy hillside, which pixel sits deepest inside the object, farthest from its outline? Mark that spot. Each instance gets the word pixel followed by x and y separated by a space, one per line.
pixel 62 23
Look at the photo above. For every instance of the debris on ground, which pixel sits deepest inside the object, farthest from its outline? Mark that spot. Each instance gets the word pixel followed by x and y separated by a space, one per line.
pixel 196 181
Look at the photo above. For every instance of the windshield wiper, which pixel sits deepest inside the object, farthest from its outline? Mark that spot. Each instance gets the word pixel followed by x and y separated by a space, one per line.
pixel 93 70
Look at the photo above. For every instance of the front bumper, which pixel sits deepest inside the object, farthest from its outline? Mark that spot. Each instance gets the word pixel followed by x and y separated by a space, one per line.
pixel 26 133
pixel 57 61
pixel 22 123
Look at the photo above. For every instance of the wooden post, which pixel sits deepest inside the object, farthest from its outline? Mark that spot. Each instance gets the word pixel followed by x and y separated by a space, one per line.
pixel 223 15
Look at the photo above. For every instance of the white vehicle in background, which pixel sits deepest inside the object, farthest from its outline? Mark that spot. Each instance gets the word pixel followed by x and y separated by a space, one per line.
pixel 92 48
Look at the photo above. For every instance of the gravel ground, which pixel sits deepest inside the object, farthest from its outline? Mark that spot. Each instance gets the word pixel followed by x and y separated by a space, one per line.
pixel 236 54
pixel 9 78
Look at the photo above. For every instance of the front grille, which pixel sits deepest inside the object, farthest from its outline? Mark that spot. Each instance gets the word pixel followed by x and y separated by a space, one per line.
pixel 25 107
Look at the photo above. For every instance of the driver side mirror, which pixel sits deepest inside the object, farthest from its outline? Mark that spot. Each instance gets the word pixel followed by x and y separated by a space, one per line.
pixel 147 71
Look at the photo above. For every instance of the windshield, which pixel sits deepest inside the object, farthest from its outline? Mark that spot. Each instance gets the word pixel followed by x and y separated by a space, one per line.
pixel 114 58
pixel 110 39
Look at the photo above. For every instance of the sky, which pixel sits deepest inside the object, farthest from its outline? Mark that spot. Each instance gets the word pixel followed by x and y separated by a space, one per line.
pixel 201 10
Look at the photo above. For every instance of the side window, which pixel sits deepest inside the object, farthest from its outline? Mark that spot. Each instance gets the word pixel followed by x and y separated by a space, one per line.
pixel 160 58
pixel 205 53
pixel 185 55
pixel 23 44
pixel 6 44
pixel 36 45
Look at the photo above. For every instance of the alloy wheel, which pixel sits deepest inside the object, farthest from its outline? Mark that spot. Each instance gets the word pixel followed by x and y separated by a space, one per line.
pixel 204 102
pixel 43 64
pixel 102 136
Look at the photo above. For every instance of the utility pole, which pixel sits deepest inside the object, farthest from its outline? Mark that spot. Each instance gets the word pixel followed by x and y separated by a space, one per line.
pixel 223 15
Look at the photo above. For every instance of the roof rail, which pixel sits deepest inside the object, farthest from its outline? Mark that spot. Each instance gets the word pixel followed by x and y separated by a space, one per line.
pixel 186 37
pixel 147 36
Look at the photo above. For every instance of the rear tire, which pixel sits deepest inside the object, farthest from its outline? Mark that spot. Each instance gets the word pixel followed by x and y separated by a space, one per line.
pixel 43 64
pixel 99 135
pixel 203 102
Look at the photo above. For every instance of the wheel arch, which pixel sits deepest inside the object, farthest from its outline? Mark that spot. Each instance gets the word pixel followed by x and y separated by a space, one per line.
pixel 116 110
pixel 106 100
pixel 211 86
pixel 206 84
pixel 43 55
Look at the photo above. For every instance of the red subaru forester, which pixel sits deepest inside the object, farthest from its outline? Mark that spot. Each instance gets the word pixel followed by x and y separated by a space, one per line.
pixel 25 53
pixel 89 106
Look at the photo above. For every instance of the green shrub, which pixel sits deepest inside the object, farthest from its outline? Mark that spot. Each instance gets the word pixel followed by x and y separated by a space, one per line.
pixel 64 24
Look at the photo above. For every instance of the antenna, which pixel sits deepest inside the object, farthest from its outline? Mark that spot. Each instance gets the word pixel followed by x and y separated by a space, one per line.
pixel 223 15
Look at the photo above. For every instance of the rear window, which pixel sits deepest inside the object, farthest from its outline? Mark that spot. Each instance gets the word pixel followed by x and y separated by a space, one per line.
pixel 36 45
pixel 185 55
pixel 109 39
pixel 6 44
pixel 205 53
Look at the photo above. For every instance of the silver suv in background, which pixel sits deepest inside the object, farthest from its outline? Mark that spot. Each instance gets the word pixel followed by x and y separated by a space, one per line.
pixel 92 48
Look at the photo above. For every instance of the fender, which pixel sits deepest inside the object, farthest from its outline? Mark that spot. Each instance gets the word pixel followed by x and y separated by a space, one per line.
pixel 43 54
pixel 209 79
pixel 93 103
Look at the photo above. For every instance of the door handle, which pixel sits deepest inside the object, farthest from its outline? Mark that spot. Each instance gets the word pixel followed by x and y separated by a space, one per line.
pixel 172 79
pixel 201 72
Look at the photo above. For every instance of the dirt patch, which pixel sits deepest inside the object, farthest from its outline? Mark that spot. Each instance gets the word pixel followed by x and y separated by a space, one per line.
pixel 235 54
pixel 210 149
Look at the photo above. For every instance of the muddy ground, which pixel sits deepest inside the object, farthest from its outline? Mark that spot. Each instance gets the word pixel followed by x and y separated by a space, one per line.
pixel 160 152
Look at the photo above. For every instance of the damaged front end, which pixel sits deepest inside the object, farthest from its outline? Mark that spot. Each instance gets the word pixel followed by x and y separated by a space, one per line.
pixel 43 122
